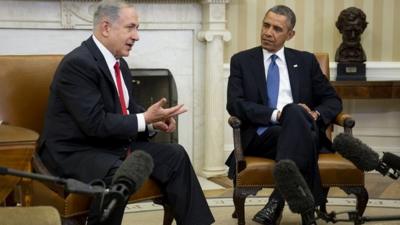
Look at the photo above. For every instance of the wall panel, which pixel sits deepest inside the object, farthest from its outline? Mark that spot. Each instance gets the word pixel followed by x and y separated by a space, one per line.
pixel 315 29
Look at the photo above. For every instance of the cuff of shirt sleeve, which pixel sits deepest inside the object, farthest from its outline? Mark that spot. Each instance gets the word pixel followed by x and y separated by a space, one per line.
pixel 274 116
pixel 141 122
pixel 151 130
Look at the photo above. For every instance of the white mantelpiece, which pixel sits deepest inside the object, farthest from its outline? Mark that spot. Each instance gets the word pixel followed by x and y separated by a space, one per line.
pixel 184 36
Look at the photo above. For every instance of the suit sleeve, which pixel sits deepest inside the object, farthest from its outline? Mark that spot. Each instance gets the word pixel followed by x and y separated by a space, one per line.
pixel 243 98
pixel 83 93
pixel 326 100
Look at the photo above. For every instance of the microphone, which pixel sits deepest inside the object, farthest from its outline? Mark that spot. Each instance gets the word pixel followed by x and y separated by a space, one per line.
pixel 364 158
pixel 392 160
pixel 295 190
pixel 128 178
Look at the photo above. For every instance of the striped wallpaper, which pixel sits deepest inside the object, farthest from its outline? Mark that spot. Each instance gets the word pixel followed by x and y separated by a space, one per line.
pixel 315 27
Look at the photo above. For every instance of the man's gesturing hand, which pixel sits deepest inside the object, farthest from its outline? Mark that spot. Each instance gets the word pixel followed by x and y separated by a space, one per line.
pixel 168 126
pixel 156 112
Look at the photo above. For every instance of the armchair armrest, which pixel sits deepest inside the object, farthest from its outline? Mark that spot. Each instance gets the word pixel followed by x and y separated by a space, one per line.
pixel 40 168
pixel 38 165
pixel 346 121
pixel 235 123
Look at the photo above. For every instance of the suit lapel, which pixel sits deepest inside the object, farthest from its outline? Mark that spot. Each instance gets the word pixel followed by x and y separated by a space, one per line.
pixel 259 73
pixel 101 62
pixel 293 67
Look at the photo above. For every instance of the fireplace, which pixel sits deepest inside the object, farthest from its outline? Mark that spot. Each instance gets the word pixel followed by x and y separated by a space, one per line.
pixel 150 85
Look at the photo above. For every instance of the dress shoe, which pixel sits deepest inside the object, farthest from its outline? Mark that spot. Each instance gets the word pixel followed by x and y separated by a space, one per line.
pixel 271 214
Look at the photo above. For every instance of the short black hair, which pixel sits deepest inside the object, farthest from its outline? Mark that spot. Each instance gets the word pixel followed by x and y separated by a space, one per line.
pixel 284 11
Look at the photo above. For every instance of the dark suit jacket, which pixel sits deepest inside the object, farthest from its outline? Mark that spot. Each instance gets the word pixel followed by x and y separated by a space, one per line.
pixel 247 90
pixel 85 132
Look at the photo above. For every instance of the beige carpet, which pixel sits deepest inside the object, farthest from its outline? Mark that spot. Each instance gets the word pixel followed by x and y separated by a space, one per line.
pixel 150 214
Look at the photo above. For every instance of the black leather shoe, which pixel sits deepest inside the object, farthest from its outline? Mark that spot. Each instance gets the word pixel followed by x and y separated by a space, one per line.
pixel 271 214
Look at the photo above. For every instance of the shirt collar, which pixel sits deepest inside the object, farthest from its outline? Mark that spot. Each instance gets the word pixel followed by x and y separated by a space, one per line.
pixel 280 53
pixel 108 56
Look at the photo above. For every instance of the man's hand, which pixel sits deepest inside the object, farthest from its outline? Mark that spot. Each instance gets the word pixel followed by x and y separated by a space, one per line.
pixel 169 125
pixel 156 112
pixel 313 114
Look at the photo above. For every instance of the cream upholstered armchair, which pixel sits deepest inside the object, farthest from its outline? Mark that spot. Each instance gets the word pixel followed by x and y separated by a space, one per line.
pixel 254 173
pixel 24 90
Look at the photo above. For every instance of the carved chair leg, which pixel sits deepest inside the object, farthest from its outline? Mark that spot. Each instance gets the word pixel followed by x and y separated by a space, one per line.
pixel 77 220
pixel 238 201
pixel 322 207
pixel 168 216
pixel 362 199
pixel 239 198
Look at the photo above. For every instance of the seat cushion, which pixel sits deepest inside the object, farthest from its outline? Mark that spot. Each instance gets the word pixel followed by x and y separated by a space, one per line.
pixel 338 171
pixel 334 169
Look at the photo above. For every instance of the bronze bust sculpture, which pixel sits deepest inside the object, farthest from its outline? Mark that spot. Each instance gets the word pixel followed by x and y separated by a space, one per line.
pixel 350 55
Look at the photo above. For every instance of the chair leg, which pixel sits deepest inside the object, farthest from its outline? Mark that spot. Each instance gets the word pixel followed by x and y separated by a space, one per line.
pixel 239 198
pixel 362 199
pixel 322 207
pixel 76 220
pixel 168 216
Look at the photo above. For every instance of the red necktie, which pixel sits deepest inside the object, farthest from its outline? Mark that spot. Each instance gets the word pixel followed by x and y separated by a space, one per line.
pixel 121 94
pixel 120 89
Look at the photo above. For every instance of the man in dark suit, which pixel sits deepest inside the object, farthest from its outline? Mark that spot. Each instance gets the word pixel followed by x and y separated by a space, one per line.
pixel 285 104
pixel 93 121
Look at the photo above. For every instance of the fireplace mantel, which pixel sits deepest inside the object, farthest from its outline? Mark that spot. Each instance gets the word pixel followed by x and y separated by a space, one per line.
pixel 184 36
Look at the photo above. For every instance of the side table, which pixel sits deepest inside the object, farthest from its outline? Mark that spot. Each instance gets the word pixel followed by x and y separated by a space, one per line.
pixel 17 146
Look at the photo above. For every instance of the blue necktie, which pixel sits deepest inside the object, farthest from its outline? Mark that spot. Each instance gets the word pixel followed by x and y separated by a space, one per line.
pixel 272 88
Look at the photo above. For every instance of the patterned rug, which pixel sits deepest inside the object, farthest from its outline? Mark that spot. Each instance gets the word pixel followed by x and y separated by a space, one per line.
pixel 147 213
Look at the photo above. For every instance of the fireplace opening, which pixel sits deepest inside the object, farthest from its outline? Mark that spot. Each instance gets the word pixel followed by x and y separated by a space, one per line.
pixel 149 86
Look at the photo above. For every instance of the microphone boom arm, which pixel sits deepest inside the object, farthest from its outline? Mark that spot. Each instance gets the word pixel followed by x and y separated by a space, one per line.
pixel 71 185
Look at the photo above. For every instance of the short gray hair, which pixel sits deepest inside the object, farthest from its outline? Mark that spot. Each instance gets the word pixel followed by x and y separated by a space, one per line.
pixel 284 11
pixel 109 9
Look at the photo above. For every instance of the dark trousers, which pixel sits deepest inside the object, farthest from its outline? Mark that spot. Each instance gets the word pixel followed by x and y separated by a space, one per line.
pixel 295 138
pixel 174 171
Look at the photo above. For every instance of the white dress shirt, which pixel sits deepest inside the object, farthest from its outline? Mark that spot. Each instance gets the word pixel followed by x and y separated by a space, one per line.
pixel 285 91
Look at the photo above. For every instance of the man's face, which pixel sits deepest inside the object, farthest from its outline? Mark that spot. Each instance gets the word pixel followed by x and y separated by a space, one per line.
pixel 123 33
pixel 275 31
pixel 352 30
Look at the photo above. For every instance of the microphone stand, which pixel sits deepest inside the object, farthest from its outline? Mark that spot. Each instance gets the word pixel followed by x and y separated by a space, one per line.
pixel 75 186
pixel 71 185
pixel 353 215
pixel 385 170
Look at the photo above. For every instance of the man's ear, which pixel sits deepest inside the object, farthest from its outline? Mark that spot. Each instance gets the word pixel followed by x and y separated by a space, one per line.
pixel 105 28
pixel 291 35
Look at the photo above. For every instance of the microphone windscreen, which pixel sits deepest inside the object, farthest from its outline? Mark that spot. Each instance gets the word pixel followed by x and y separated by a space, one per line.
pixel 391 160
pixel 137 168
pixel 293 187
pixel 351 148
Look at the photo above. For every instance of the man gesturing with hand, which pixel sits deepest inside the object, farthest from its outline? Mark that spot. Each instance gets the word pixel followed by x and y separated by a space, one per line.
pixel 93 121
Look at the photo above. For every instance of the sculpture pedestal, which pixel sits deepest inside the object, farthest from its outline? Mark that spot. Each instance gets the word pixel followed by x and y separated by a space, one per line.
pixel 351 71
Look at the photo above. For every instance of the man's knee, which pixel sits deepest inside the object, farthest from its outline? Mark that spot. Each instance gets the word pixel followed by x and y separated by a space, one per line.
pixel 293 108
pixel 294 111
pixel 178 151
